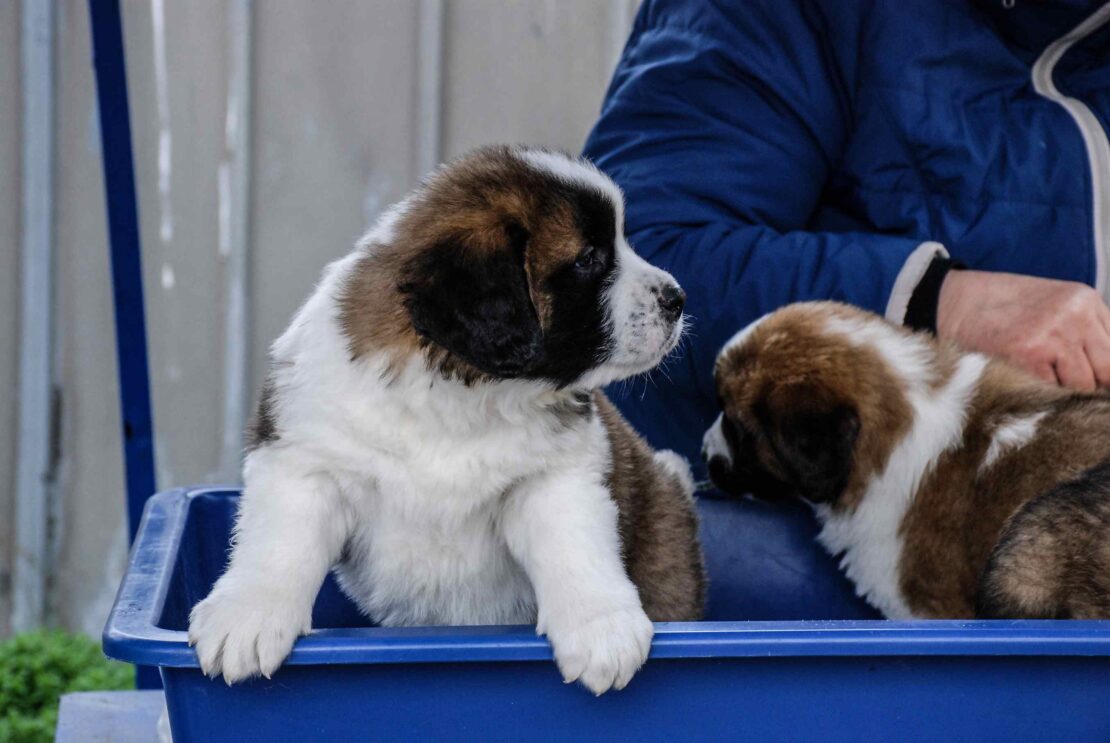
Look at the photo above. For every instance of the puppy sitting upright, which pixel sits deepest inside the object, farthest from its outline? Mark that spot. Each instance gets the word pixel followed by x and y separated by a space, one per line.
pixel 431 428
pixel 951 485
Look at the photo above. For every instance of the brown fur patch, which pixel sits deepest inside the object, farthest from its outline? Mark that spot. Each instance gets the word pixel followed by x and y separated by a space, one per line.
pixel 658 525
pixel 371 312
pixel 474 204
pixel 263 428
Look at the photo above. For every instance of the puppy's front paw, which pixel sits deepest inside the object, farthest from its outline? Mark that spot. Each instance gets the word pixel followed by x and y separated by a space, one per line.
pixel 605 651
pixel 245 632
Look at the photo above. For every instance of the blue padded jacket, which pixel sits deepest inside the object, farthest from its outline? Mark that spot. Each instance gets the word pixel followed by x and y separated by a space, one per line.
pixel 774 151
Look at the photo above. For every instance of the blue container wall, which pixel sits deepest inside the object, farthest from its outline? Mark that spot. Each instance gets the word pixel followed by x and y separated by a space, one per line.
pixel 929 699
pixel 840 675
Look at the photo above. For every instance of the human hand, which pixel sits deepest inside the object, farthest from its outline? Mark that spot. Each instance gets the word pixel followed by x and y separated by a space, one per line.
pixel 1058 330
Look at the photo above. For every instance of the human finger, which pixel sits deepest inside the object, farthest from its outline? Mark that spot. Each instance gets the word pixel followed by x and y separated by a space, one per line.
pixel 1096 346
pixel 1103 314
pixel 1073 369
pixel 1045 371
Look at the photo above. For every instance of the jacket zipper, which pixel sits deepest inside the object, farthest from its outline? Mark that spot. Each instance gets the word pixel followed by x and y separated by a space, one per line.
pixel 1094 136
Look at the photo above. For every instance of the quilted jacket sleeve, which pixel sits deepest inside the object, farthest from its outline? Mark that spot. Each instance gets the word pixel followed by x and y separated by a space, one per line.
pixel 722 125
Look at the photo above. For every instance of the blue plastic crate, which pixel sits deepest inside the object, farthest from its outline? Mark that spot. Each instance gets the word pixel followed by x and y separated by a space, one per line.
pixel 790 654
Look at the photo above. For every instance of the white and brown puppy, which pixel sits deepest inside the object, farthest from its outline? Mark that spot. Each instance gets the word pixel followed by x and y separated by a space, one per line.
pixel 950 485
pixel 432 430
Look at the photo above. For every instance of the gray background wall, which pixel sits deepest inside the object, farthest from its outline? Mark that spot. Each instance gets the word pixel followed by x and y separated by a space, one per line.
pixel 9 284
pixel 337 129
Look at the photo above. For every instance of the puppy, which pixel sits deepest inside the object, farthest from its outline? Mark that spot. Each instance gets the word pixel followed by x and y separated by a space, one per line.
pixel 431 429
pixel 950 485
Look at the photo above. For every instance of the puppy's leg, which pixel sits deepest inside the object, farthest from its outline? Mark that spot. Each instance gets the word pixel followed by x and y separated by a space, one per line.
pixel 665 559
pixel 290 530
pixel 562 528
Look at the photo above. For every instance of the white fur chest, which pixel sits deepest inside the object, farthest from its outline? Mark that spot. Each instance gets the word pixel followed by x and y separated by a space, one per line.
pixel 410 563
pixel 427 546
pixel 870 548
pixel 869 537
pixel 426 466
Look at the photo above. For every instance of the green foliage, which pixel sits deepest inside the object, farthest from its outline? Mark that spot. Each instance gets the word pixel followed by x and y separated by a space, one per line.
pixel 36 668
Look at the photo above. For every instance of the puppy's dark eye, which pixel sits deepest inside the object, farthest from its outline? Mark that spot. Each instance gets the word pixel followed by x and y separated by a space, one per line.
pixel 588 258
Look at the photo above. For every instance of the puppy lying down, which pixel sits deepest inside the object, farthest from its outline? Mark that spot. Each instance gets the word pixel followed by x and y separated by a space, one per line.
pixel 950 485
pixel 431 429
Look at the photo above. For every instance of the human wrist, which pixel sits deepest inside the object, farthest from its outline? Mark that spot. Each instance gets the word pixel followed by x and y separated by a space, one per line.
pixel 951 300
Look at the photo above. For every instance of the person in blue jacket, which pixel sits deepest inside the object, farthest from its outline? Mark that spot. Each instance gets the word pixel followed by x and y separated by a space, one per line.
pixel 774 151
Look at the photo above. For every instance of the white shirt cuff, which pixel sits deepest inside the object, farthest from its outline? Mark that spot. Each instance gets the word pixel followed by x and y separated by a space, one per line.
pixel 913 270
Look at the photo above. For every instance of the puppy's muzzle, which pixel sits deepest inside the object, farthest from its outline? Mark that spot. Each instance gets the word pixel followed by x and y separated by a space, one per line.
pixel 715 453
pixel 732 467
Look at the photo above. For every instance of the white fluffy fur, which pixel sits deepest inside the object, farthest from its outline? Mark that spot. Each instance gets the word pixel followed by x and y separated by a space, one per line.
pixel 713 444
pixel 868 536
pixel 578 171
pixel 1013 434
pixel 447 504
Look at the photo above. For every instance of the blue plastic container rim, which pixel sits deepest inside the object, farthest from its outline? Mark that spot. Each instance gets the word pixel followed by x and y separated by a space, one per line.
pixel 132 634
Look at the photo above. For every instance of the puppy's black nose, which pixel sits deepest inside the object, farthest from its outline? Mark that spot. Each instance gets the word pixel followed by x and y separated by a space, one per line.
pixel 672 299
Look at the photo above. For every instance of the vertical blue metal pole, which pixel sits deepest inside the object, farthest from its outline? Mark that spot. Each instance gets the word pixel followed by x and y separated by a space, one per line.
pixel 127 273
pixel 127 269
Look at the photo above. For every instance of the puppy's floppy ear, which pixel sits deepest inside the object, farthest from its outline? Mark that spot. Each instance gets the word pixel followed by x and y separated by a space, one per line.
pixel 476 304
pixel 813 436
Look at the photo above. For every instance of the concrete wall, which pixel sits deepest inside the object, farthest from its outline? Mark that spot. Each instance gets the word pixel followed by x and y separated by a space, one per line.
pixel 89 535
pixel 334 132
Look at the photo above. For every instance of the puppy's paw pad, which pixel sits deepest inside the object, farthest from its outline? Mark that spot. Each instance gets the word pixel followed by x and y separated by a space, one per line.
pixel 244 634
pixel 606 651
